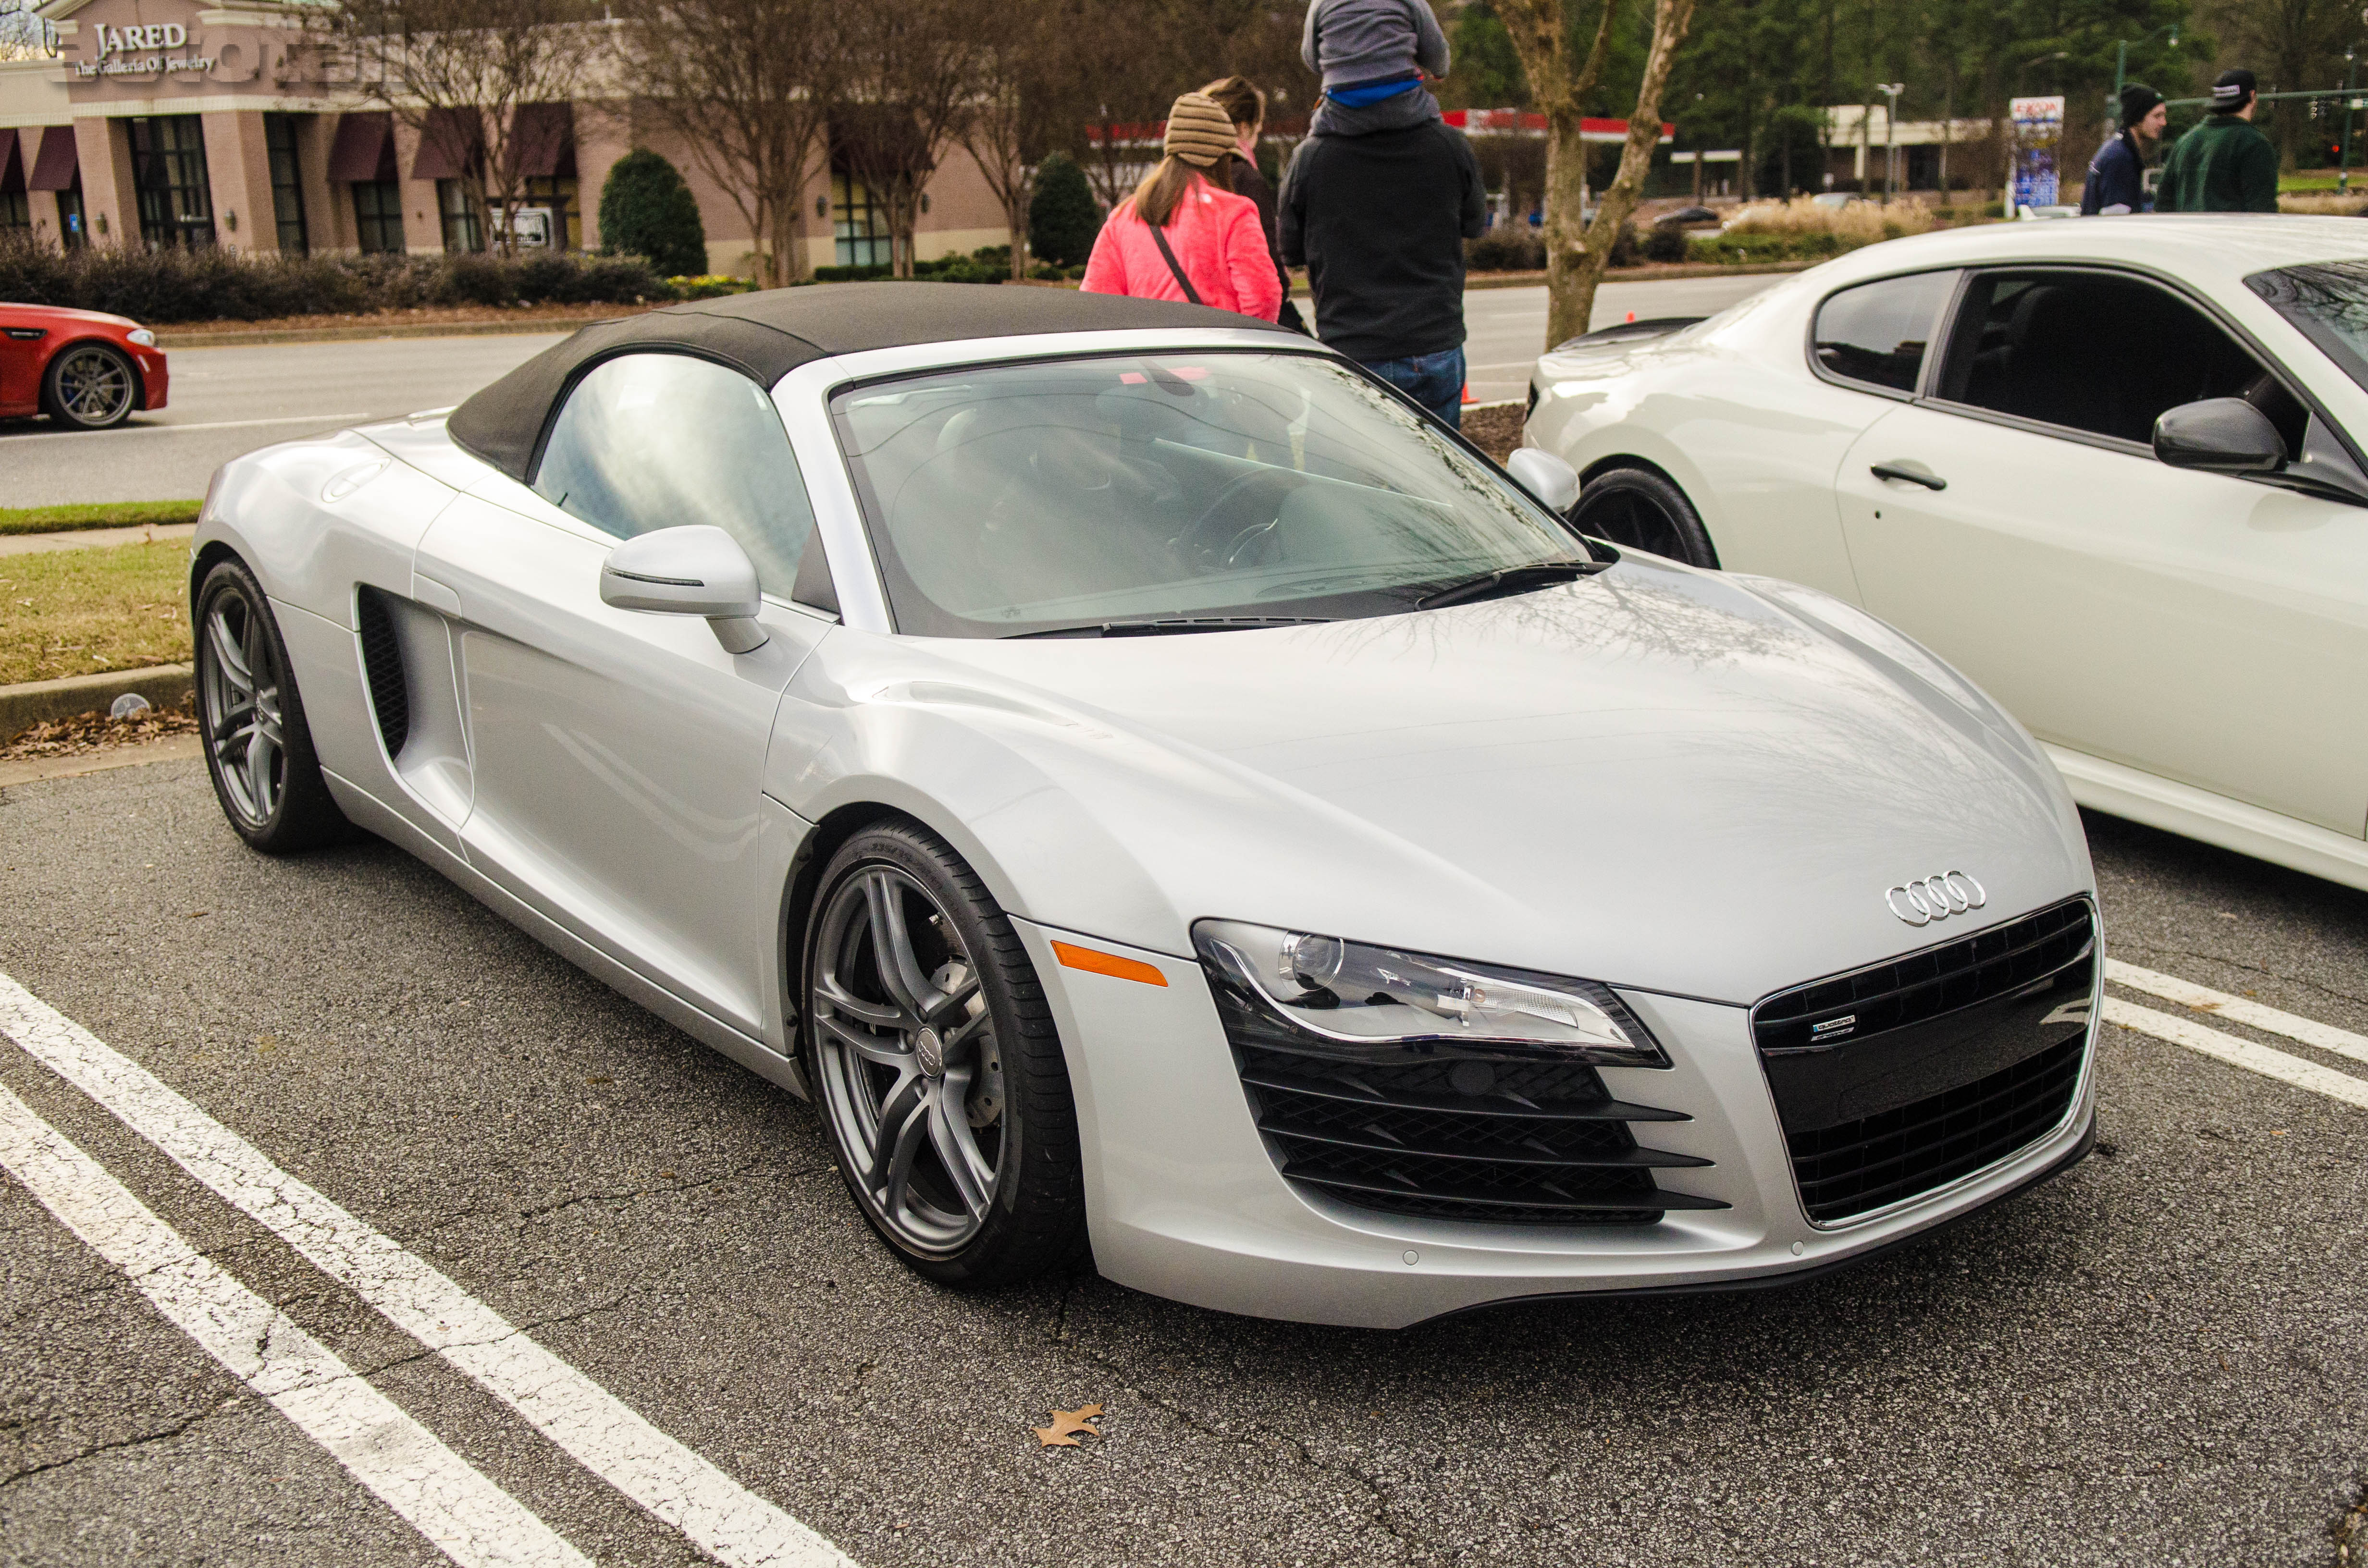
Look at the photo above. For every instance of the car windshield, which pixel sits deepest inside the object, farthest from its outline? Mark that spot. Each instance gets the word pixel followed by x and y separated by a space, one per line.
pixel 2327 303
pixel 1172 492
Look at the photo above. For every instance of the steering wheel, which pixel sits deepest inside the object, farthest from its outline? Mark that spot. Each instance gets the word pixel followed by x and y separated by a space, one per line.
pixel 1241 510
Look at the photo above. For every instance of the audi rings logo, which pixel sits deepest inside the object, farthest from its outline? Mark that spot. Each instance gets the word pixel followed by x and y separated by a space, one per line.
pixel 1935 898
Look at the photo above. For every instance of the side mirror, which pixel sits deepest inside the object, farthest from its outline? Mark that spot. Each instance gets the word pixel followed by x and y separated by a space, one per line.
pixel 1545 476
pixel 697 570
pixel 2219 435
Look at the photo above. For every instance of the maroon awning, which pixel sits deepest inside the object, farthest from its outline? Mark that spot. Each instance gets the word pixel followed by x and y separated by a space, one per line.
pixel 451 140
pixel 364 150
pixel 12 176
pixel 542 141
pixel 59 166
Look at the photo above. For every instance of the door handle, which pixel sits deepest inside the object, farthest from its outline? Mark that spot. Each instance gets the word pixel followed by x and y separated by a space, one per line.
pixel 1911 470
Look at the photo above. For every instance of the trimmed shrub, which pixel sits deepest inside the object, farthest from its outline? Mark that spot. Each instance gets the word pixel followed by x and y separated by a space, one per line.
pixel 1062 216
pixel 1508 247
pixel 163 286
pixel 647 210
pixel 1666 243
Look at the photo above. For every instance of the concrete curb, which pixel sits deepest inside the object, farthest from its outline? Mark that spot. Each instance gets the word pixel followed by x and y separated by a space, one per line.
pixel 34 701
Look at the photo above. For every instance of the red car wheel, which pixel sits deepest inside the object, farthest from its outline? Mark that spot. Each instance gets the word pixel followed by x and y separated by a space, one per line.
pixel 90 386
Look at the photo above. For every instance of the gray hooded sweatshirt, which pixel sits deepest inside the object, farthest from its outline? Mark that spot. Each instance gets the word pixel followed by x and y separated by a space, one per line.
pixel 1351 42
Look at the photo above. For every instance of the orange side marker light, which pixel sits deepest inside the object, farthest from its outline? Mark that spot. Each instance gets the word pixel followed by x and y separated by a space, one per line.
pixel 1117 968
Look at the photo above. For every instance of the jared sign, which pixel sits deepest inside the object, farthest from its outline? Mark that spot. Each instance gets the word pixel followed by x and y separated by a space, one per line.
pixel 124 51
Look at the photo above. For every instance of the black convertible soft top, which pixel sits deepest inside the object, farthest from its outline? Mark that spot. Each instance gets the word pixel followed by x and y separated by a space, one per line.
pixel 765 336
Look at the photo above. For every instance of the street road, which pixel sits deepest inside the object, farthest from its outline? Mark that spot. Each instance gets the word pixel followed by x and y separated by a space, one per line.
pixel 229 401
pixel 2153 1359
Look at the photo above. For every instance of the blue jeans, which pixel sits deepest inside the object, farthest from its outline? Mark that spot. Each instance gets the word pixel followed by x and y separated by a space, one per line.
pixel 1434 381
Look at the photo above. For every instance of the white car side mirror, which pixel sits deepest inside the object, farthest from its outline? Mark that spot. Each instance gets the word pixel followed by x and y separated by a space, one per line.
pixel 696 570
pixel 1545 476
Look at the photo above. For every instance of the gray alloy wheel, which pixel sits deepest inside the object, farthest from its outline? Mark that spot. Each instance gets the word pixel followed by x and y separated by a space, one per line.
pixel 912 1078
pixel 90 386
pixel 1637 508
pixel 936 1065
pixel 258 750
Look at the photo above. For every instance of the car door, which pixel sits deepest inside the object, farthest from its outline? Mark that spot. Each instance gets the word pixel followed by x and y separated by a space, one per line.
pixel 617 756
pixel 2199 627
pixel 22 335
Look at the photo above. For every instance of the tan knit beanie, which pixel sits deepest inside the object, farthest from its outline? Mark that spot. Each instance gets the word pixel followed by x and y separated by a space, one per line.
pixel 1199 132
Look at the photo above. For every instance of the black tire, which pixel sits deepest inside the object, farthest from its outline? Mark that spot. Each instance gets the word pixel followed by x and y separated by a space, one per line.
pixel 259 748
pixel 1638 509
pixel 998 1065
pixel 90 386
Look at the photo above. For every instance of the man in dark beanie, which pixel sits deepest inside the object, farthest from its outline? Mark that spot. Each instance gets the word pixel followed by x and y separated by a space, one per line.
pixel 2224 164
pixel 2116 182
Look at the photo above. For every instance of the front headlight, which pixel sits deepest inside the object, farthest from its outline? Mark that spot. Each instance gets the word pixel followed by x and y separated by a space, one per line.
pixel 1352 994
pixel 143 336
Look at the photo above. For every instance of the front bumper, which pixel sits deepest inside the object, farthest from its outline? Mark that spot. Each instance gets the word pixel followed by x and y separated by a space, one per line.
pixel 1184 1200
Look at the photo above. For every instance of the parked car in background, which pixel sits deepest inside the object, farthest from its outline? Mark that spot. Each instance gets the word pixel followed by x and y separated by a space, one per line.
pixel 84 369
pixel 1167 799
pixel 2112 471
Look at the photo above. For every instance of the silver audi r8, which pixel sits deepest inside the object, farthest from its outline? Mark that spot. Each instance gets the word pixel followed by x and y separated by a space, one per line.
pixel 1170 801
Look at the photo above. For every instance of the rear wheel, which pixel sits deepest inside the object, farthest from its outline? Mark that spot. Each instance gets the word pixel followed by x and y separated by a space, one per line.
pixel 258 749
pixel 1637 508
pixel 937 1067
pixel 89 386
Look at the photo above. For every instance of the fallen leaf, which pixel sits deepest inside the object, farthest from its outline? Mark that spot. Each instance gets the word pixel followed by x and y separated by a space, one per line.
pixel 1067 1422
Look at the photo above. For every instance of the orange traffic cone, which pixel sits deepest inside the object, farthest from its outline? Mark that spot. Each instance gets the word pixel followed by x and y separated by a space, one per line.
pixel 1467 392
pixel 1631 315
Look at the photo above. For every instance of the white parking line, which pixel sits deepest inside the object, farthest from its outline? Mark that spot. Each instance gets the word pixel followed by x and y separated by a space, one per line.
pixel 466 1516
pixel 207 425
pixel 2170 988
pixel 2239 1052
pixel 604 1434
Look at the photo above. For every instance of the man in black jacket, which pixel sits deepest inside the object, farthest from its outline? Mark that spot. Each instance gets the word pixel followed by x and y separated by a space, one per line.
pixel 2116 182
pixel 1379 218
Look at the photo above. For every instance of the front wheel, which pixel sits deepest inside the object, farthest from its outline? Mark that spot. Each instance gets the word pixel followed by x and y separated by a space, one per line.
pixel 935 1064
pixel 259 748
pixel 1638 508
pixel 90 386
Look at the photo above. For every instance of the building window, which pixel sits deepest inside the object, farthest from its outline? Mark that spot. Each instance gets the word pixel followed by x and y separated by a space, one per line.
pixel 378 215
pixel 168 168
pixel 559 195
pixel 16 212
pixel 464 222
pixel 287 184
pixel 861 231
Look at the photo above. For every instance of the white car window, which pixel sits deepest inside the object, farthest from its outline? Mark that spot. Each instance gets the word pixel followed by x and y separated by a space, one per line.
pixel 2101 353
pixel 657 440
pixel 1877 333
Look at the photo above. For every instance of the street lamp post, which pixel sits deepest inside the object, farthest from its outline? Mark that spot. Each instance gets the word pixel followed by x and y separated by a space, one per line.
pixel 1890 90
pixel 2350 85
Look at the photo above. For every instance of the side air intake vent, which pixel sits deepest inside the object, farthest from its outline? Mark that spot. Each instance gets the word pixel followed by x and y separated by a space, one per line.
pixel 382 663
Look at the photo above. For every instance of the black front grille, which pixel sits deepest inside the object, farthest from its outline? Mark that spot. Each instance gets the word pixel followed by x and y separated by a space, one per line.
pixel 1855 1167
pixel 382 663
pixel 1901 1077
pixel 1453 1134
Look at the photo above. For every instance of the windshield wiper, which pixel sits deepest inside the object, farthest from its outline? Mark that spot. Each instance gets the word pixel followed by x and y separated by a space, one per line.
pixel 1176 623
pixel 1510 579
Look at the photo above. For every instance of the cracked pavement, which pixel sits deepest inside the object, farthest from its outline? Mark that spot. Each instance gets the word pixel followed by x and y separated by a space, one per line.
pixel 2152 1360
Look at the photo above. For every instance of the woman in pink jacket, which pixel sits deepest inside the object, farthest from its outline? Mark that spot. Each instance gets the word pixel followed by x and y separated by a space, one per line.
pixel 1184 234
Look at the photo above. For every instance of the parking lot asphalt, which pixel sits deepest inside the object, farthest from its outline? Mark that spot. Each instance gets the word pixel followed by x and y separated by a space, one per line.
pixel 229 401
pixel 2153 1359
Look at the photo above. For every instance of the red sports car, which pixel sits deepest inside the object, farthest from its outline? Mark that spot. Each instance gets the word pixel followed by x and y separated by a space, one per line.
pixel 85 371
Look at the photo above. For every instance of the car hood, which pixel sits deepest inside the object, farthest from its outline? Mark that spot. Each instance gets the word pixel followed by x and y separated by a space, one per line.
pixel 93 318
pixel 1654 776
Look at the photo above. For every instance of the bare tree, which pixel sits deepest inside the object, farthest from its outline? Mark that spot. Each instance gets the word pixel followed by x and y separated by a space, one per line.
pixel 1003 126
pixel 912 74
pixel 461 71
pixel 23 34
pixel 748 85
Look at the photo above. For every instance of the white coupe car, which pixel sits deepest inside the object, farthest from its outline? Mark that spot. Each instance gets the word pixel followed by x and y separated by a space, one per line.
pixel 1166 799
pixel 2111 469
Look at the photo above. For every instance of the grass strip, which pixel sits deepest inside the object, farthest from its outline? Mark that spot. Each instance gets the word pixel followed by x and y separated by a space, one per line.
pixel 78 613
pixel 95 515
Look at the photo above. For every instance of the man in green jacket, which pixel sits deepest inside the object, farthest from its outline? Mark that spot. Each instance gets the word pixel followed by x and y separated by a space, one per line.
pixel 2224 164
